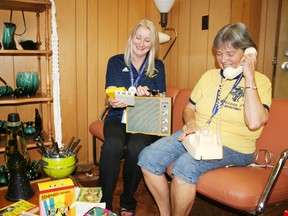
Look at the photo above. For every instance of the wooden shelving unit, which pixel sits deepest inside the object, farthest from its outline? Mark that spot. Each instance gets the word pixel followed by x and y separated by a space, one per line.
pixel 44 96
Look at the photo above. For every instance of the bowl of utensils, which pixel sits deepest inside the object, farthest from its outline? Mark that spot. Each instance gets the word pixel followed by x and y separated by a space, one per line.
pixel 58 162
pixel 58 168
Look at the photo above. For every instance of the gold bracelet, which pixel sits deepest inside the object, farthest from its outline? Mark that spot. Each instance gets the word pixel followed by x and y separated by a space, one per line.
pixel 251 87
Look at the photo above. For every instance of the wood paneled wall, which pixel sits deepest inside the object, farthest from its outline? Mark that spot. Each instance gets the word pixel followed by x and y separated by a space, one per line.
pixel 91 31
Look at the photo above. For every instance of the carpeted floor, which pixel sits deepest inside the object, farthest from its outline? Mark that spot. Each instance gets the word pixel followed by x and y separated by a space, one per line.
pixel 87 175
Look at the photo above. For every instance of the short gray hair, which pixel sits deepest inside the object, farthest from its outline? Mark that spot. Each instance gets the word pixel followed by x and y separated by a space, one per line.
pixel 235 34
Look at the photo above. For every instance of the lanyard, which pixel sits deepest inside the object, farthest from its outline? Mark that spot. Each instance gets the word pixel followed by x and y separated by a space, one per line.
pixel 139 74
pixel 219 103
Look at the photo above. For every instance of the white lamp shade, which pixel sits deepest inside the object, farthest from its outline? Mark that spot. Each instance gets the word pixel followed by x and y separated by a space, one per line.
pixel 163 38
pixel 164 6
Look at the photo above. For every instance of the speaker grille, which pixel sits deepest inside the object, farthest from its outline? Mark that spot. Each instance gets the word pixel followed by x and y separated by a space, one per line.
pixel 150 115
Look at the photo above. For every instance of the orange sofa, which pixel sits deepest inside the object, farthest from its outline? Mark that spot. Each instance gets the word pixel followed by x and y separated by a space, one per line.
pixel 244 188
pixel 248 188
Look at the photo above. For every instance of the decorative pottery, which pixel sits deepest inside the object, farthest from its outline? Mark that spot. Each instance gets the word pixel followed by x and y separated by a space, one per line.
pixel 29 44
pixel 28 82
pixel 29 129
pixel 6 90
pixel 8 36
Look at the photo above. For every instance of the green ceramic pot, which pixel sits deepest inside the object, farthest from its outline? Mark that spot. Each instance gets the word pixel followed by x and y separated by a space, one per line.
pixel 28 81
pixel 29 129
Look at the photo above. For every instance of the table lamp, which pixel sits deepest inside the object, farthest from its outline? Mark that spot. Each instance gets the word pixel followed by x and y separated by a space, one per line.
pixel 16 157
pixel 164 6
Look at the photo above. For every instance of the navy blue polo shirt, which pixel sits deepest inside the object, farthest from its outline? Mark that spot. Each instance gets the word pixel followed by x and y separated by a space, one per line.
pixel 118 74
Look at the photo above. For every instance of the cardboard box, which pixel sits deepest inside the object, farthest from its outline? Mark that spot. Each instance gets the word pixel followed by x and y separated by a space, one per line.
pixel 57 198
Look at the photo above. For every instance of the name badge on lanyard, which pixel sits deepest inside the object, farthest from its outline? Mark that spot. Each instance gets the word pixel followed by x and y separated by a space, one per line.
pixel 219 104
pixel 134 85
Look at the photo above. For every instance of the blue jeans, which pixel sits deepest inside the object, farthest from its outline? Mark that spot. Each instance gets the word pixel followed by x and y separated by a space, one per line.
pixel 157 157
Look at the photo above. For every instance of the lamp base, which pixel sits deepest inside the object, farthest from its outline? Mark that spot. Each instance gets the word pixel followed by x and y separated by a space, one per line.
pixel 164 20
pixel 19 187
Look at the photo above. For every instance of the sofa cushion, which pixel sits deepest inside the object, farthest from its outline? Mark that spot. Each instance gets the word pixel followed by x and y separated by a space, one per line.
pixel 241 187
pixel 274 137
pixel 179 103
pixel 172 91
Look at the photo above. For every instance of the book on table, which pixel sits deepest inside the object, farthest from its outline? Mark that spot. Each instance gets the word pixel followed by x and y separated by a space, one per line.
pixel 88 198
pixel 19 208
pixel 88 194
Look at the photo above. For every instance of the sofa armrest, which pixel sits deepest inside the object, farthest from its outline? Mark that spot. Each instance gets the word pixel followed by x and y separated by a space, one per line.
pixel 272 181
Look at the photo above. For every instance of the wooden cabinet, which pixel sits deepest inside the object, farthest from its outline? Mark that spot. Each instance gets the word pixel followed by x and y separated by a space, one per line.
pixel 37 15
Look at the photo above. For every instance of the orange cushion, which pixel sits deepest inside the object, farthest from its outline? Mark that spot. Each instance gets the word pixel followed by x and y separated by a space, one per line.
pixel 96 129
pixel 180 102
pixel 242 186
pixel 172 91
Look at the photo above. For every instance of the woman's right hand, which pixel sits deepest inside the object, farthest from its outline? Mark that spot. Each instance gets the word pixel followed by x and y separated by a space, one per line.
pixel 116 103
pixel 188 128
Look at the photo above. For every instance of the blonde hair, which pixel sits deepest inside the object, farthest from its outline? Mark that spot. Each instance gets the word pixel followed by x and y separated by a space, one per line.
pixel 154 50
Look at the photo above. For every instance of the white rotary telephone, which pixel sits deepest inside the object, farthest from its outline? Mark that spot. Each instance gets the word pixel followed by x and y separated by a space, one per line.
pixel 231 73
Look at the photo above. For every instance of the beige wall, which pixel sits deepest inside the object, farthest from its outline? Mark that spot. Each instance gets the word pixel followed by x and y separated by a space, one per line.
pixel 90 31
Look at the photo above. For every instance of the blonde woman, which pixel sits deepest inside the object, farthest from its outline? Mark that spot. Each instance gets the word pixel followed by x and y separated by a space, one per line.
pixel 138 70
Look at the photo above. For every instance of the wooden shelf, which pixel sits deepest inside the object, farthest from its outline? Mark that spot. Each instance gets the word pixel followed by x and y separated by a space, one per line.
pixel 25 52
pixel 41 97
pixel 30 142
pixel 25 5
pixel 41 8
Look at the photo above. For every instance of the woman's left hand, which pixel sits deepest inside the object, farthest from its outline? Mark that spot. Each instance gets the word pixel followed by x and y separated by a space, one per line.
pixel 249 63
pixel 142 91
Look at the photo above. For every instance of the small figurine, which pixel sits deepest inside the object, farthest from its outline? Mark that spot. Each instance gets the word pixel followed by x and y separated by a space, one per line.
pixel 29 129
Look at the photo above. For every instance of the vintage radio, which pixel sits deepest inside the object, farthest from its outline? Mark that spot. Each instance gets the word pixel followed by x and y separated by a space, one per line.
pixel 150 115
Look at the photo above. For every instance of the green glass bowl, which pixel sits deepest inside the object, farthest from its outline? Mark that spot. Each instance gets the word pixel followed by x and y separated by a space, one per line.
pixel 6 90
pixel 28 81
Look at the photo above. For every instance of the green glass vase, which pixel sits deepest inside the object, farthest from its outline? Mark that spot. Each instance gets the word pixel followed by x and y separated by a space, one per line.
pixel 8 36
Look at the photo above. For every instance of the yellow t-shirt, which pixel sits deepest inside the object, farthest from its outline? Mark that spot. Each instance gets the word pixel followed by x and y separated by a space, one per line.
pixel 234 133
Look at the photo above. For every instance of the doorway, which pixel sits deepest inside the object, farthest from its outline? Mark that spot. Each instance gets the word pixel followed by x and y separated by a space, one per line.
pixel 280 77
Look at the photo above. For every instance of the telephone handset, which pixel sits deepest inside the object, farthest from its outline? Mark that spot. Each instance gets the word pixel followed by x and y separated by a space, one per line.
pixel 231 73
